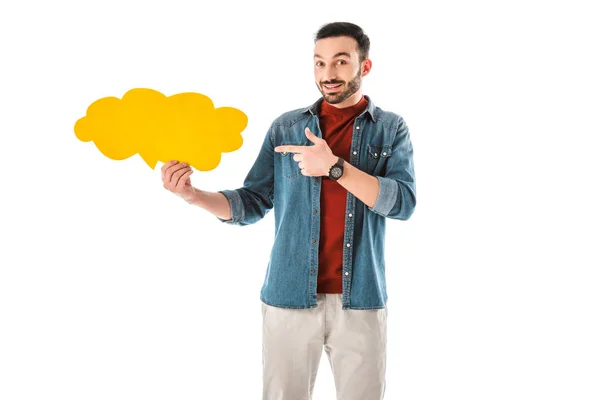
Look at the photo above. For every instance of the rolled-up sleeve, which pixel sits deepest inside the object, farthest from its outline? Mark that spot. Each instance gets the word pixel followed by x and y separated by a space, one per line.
pixel 235 203
pixel 254 199
pixel 397 191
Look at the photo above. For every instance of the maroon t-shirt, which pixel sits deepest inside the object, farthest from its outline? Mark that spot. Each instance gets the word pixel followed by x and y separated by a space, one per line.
pixel 336 127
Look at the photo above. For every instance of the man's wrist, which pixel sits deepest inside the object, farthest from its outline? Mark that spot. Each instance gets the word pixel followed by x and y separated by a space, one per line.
pixel 194 197
pixel 334 160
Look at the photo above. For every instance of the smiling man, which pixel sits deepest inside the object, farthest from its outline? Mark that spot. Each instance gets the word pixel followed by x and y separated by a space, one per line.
pixel 334 172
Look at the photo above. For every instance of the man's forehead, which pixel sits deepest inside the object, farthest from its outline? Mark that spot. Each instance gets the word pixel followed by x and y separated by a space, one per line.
pixel 336 47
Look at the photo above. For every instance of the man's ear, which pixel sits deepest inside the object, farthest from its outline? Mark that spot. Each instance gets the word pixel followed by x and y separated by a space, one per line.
pixel 366 67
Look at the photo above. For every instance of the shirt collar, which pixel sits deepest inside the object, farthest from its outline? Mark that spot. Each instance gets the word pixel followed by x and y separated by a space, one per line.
pixel 314 108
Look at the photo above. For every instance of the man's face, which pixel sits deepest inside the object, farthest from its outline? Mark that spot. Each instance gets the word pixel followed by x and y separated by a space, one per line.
pixel 338 72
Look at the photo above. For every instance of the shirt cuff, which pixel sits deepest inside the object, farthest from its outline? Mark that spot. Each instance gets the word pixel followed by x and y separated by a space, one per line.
pixel 386 198
pixel 235 203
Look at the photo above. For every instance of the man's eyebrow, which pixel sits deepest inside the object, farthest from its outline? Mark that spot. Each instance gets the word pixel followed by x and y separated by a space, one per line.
pixel 341 53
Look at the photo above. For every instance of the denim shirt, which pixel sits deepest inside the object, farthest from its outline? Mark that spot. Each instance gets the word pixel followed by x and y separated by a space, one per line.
pixel 381 147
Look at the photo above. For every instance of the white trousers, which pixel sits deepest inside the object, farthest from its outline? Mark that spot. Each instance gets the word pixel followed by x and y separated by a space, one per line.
pixel 354 340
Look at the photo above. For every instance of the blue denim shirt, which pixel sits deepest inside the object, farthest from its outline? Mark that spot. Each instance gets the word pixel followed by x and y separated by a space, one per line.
pixel 381 147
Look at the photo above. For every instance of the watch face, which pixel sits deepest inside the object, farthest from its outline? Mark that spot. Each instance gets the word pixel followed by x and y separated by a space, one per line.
pixel 336 172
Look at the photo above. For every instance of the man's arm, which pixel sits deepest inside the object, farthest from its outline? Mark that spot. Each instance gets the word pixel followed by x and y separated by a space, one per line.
pixel 363 186
pixel 251 202
pixel 396 196
pixel 392 195
pixel 176 178
pixel 242 206
pixel 213 202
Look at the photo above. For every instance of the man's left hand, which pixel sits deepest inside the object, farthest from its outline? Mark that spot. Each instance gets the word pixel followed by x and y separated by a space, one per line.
pixel 313 160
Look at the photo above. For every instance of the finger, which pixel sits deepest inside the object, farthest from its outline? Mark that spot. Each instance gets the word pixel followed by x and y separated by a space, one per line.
pixel 182 180
pixel 168 164
pixel 290 149
pixel 177 176
pixel 297 157
pixel 174 172
pixel 301 165
pixel 165 166
pixel 311 136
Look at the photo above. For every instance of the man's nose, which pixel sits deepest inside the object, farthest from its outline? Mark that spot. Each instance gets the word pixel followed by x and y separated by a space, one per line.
pixel 330 74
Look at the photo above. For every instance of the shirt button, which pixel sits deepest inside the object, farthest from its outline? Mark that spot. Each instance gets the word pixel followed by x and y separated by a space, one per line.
pixel 314 211
pixel 347 244
pixel 350 215
pixel 358 127
pixel 346 273
pixel 314 241
pixel 355 153
pixel 312 271
pixel 384 154
pixel 316 179
pixel 375 155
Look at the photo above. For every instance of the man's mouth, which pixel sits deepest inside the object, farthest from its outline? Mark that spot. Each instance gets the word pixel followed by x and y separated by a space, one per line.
pixel 332 87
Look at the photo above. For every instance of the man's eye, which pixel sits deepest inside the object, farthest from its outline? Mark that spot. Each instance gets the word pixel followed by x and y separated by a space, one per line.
pixel 342 62
pixel 319 64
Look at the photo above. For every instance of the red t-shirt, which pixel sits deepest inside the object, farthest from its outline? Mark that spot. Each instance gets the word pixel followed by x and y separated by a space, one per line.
pixel 336 128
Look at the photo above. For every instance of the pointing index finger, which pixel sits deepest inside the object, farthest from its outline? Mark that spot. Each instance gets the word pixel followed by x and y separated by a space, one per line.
pixel 289 149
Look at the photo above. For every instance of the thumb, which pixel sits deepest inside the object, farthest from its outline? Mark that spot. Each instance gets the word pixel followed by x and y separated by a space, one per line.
pixel 311 136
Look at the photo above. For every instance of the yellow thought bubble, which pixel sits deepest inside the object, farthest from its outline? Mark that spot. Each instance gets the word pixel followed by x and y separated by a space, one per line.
pixel 184 127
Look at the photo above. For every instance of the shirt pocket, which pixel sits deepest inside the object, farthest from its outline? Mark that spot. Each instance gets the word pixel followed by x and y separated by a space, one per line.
pixel 378 156
pixel 289 167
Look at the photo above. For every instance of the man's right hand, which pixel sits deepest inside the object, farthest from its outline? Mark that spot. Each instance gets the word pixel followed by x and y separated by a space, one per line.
pixel 176 178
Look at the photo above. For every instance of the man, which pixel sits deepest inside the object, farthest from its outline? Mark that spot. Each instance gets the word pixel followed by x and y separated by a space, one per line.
pixel 333 172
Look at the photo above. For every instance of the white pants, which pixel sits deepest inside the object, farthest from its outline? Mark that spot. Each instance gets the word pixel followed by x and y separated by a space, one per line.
pixel 354 340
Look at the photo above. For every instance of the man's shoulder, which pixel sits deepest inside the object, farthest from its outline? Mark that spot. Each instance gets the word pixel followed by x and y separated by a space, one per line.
pixel 289 118
pixel 386 117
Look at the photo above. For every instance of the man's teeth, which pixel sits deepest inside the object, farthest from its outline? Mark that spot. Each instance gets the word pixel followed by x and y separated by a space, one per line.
pixel 333 86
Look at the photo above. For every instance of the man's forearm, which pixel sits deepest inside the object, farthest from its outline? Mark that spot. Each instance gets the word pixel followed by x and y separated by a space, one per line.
pixel 213 202
pixel 363 186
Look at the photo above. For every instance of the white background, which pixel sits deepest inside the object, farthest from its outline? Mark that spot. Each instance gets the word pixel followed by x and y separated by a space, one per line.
pixel 113 288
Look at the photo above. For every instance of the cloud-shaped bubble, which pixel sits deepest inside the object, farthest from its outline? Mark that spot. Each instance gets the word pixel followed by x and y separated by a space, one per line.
pixel 185 127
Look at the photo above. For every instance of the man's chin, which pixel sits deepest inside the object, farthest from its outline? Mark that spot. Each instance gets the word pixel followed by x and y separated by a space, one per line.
pixel 332 99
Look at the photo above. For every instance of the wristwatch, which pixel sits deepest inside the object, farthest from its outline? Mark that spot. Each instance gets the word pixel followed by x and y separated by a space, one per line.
pixel 337 170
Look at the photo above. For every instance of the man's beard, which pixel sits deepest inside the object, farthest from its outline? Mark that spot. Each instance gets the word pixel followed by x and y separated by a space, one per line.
pixel 337 98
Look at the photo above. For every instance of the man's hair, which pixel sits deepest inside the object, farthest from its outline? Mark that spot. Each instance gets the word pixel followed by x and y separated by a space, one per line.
pixel 336 29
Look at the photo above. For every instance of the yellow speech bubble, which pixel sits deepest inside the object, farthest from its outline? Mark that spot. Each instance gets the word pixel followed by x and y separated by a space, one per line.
pixel 184 127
